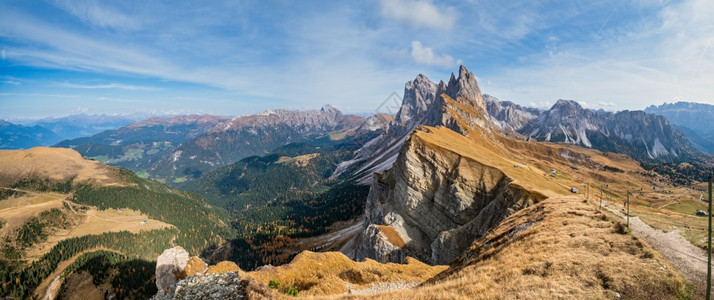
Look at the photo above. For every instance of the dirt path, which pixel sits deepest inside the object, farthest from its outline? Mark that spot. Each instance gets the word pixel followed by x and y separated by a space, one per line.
pixel 49 287
pixel 689 259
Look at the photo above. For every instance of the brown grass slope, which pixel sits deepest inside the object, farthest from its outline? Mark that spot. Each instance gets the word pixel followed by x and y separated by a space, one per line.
pixel 559 248
pixel 333 273
pixel 57 164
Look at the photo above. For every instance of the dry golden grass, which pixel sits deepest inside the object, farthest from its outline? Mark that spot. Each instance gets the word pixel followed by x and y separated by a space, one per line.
pixel 16 211
pixel 57 164
pixel 332 273
pixel 560 248
pixel 301 160
pixel 391 235
pixel 25 200
pixel 97 222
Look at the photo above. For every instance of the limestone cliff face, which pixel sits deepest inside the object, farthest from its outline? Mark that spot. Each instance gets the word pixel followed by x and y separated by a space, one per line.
pixel 437 201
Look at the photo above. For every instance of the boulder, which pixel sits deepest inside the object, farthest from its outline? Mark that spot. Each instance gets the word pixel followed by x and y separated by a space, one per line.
pixel 170 266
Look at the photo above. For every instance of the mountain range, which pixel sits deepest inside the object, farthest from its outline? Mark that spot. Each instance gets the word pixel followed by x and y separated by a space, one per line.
pixel 693 119
pixel 139 145
pixel 477 190
pixel 638 134
pixel 14 136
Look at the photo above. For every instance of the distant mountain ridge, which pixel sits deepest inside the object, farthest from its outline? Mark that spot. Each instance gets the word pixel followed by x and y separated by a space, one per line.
pixel 139 145
pixel 638 134
pixel 246 136
pixel 14 136
pixel 694 119
pixel 79 125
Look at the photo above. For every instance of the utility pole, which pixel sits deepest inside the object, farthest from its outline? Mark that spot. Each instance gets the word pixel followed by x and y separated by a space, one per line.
pixel 628 209
pixel 709 244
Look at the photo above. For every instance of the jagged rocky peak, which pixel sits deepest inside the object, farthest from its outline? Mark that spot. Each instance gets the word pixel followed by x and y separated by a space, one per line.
pixel 567 105
pixel 330 109
pixel 419 96
pixel 508 115
pixel 465 90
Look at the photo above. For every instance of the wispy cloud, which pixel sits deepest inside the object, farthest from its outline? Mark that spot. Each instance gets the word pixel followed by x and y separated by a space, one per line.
pixel 38 95
pixel 107 86
pixel 427 56
pixel 97 14
pixel 419 13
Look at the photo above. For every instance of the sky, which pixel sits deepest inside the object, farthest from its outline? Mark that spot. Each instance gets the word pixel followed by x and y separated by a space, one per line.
pixel 61 57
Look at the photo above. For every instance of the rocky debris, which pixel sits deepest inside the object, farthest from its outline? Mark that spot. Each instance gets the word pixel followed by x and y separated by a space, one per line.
pixel 181 277
pixel 216 286
pixel 170 267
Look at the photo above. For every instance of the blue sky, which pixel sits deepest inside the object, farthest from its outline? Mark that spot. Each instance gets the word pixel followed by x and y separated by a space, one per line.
pixel 236 57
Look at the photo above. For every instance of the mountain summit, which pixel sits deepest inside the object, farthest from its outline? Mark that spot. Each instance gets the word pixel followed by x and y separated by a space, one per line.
pixel 424 103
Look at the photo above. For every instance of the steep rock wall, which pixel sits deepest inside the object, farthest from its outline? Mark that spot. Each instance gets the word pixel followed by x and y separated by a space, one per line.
pixel 438 202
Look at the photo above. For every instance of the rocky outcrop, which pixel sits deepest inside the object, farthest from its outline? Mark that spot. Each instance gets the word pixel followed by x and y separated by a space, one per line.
pixel 181 277
pixel 434 202
pixel 437 201
pixel 216 286
pixel 374 244
pixel 170 266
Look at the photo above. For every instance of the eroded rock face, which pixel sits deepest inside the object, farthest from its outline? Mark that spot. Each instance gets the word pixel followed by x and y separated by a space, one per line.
pixel 438 202
pixel 169 267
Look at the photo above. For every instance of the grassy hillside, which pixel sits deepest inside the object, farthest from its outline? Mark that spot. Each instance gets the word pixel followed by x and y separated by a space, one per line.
pixel 35 242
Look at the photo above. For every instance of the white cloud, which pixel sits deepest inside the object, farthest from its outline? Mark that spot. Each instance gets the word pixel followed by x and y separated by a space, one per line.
pixel 107 86
pixel 427 56
pixel 667 57
pixel 13 82
pixel 91 12
pixel 419 13
pixel 3 54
